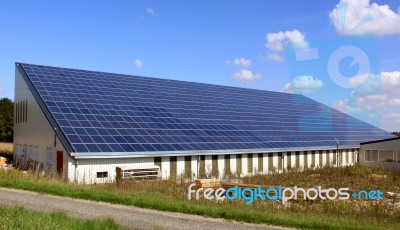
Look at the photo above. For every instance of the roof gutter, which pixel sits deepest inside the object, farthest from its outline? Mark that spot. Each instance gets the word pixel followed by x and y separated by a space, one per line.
pixel 105 155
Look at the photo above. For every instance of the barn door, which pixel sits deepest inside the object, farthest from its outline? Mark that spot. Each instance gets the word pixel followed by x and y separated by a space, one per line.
pixel 59 161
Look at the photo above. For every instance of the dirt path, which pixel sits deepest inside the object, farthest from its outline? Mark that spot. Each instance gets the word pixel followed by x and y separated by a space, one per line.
pixel 125 215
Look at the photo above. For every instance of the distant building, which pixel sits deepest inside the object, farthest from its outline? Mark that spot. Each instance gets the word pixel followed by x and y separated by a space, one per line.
pixel 84 124
pixel 381 153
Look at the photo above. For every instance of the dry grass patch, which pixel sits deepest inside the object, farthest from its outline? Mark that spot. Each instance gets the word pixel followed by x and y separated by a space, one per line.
pixel 171 195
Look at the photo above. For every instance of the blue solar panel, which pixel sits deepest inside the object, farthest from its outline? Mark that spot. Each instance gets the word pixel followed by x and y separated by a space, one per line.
pixel 104 112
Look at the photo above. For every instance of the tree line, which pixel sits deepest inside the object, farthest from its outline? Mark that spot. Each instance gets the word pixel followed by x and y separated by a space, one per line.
pixel 6 120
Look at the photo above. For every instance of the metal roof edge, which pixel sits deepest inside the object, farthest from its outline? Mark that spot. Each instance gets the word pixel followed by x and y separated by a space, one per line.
pixel 104 155
pixel 382 140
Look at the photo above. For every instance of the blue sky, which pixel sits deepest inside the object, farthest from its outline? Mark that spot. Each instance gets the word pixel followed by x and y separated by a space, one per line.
pixel 217 42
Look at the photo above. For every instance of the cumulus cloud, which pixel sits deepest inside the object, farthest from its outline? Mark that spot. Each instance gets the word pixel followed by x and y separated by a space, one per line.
pixel 393 101
pixel 242 61
pixel 239 62
pixel 377 94
pixel 304 84
pixel 391 122
pixel 150 11
pixel 138 63
pixel 274 57
pixel 378 91
pixel 246 75
pixel 385 83
pixel 358 17
pixel 394 116
pixel 277 41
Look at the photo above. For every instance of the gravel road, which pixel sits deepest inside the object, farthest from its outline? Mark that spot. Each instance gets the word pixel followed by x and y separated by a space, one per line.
pixel 132 217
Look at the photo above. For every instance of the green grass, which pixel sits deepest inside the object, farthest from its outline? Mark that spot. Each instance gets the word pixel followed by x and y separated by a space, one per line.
pixel 20 218
pixel 171 196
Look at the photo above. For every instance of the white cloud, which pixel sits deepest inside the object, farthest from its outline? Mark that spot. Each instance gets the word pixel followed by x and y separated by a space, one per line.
pixel 368 115
pixel 304 84
pixel 393 116
pixel 239 62
pixel 394 101
pixel 242 61
pixel 357 17
pixel 379 94
pixel 386 83
pixel 277 41
pixel 246 75
pixel 391 122
pixel 287 88
pixel 138 63
pixel 150 11
pixel 340 105
pixel 274 57
pixel 372 101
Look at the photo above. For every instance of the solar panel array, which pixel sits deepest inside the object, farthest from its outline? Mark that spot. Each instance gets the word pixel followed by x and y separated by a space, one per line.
pixel 104 112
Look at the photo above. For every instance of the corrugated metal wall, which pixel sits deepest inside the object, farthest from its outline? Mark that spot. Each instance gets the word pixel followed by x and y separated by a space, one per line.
pixel 213 166
pixel 86 171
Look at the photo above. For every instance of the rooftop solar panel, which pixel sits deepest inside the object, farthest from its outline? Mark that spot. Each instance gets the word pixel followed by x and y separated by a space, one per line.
pixel 105 112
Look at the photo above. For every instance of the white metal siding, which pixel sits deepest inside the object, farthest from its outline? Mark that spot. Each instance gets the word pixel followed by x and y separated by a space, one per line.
pixel 244 164
pixel 275 161
pixel 195 162
pixel 293 160
pixel 309 159
pixel 265 163
pixel 165 167
pixel 301 159
pixel 285 160
pixel 180 165
pixel 208 164
pixel 317 156
pixel 255 163
pixel 87 169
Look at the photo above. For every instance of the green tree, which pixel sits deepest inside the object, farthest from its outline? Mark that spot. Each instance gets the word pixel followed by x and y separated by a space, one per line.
pixel 6 120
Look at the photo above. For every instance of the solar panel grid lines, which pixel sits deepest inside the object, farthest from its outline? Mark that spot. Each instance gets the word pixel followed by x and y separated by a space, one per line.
pixel 102 112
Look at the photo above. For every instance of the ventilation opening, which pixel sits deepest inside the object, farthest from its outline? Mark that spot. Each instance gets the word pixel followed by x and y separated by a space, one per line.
pixel 102 174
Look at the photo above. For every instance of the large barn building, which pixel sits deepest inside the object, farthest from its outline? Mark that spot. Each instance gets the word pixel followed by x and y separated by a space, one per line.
pixel 84 124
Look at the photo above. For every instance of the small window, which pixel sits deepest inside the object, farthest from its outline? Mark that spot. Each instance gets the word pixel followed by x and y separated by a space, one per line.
pixel 50 155
pixel 386 156
pixel 371 155
pixel 33 152
pixel 102 174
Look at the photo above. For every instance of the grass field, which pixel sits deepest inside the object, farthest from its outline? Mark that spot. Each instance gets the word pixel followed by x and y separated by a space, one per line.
pixel 20 218
pixel 6 147
pixel 6 150
pixel 171 195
